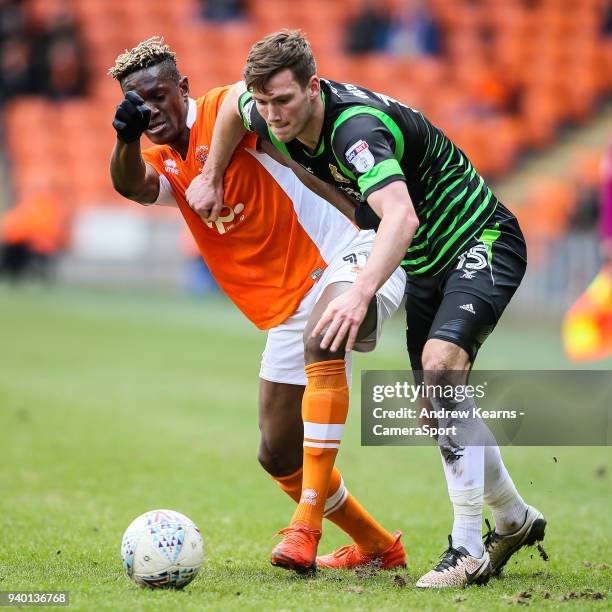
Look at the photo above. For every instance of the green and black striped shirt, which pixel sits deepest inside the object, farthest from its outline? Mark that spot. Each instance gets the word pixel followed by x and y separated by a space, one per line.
pixel 369 140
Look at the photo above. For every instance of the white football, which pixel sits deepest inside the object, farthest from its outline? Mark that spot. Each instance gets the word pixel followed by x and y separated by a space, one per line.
pixel 162 549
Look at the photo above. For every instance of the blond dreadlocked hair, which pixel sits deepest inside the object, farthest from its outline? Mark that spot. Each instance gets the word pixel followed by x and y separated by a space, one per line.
pixel 145 54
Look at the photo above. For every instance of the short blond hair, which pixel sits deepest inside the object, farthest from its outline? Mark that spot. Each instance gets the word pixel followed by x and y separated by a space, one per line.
pixel 145 54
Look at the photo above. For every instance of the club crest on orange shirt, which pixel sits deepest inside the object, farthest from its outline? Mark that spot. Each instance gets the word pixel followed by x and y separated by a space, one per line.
pixel 201 154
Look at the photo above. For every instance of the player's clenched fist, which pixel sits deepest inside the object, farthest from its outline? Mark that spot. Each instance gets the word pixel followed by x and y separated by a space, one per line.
pixel 205 196
pixel 131 117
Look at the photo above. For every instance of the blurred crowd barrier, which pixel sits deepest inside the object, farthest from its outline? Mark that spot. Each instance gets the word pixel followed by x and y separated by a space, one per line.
pixel 502 78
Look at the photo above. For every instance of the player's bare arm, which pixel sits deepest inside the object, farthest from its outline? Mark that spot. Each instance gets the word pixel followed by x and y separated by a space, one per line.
pixel 131 176
pixel 334 196
pixel 398 224
pixel 205 193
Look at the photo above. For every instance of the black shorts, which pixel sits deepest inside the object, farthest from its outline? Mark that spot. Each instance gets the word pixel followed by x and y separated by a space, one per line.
pixel 464 302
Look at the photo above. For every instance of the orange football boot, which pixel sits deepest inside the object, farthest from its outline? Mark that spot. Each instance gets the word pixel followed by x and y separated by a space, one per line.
pixel 298 549
pixel 349 557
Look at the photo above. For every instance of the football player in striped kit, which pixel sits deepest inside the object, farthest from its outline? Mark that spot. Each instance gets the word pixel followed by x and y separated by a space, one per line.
pixel 462 250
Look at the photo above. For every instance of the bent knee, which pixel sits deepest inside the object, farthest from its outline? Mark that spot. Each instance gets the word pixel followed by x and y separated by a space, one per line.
pixel 435 365
pixel 279 461
pixel 440 356
pixel 314 353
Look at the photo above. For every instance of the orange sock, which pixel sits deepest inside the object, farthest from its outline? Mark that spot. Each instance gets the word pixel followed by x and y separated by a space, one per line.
pixel 324 411
pixel 291 484
pixel 342 509
pixel 346 512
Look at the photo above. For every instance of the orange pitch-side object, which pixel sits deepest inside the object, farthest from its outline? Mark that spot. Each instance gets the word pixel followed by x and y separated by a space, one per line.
pixel 587 326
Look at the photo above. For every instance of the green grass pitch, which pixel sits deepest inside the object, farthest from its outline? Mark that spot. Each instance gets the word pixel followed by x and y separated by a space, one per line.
pixel 111 405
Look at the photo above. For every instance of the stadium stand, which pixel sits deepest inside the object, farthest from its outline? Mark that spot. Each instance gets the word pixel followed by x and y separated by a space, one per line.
pixel 509 77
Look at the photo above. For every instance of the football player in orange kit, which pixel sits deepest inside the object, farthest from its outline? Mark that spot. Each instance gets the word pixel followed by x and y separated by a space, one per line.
pixel 281 254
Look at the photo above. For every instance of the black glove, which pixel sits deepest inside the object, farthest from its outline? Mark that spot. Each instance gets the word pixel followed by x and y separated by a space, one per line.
pixel 131 118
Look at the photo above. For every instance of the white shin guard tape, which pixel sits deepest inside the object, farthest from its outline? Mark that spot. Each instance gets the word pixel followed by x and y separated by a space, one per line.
pixel 335 501
pixel 323 431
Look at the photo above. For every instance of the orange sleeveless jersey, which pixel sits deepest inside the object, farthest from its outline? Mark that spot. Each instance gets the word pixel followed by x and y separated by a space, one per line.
pixel 258 251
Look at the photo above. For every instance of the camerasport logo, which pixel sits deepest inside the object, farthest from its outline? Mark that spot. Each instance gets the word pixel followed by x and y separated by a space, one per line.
pixel 170 166
pixel 201 154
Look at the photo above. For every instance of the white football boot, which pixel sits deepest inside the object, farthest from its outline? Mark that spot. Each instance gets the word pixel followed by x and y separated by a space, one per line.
pixel 457 568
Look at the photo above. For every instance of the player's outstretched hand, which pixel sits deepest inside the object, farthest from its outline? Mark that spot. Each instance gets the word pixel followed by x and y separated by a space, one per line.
pixel 131 117
pixel 342 318
pixel 205 196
